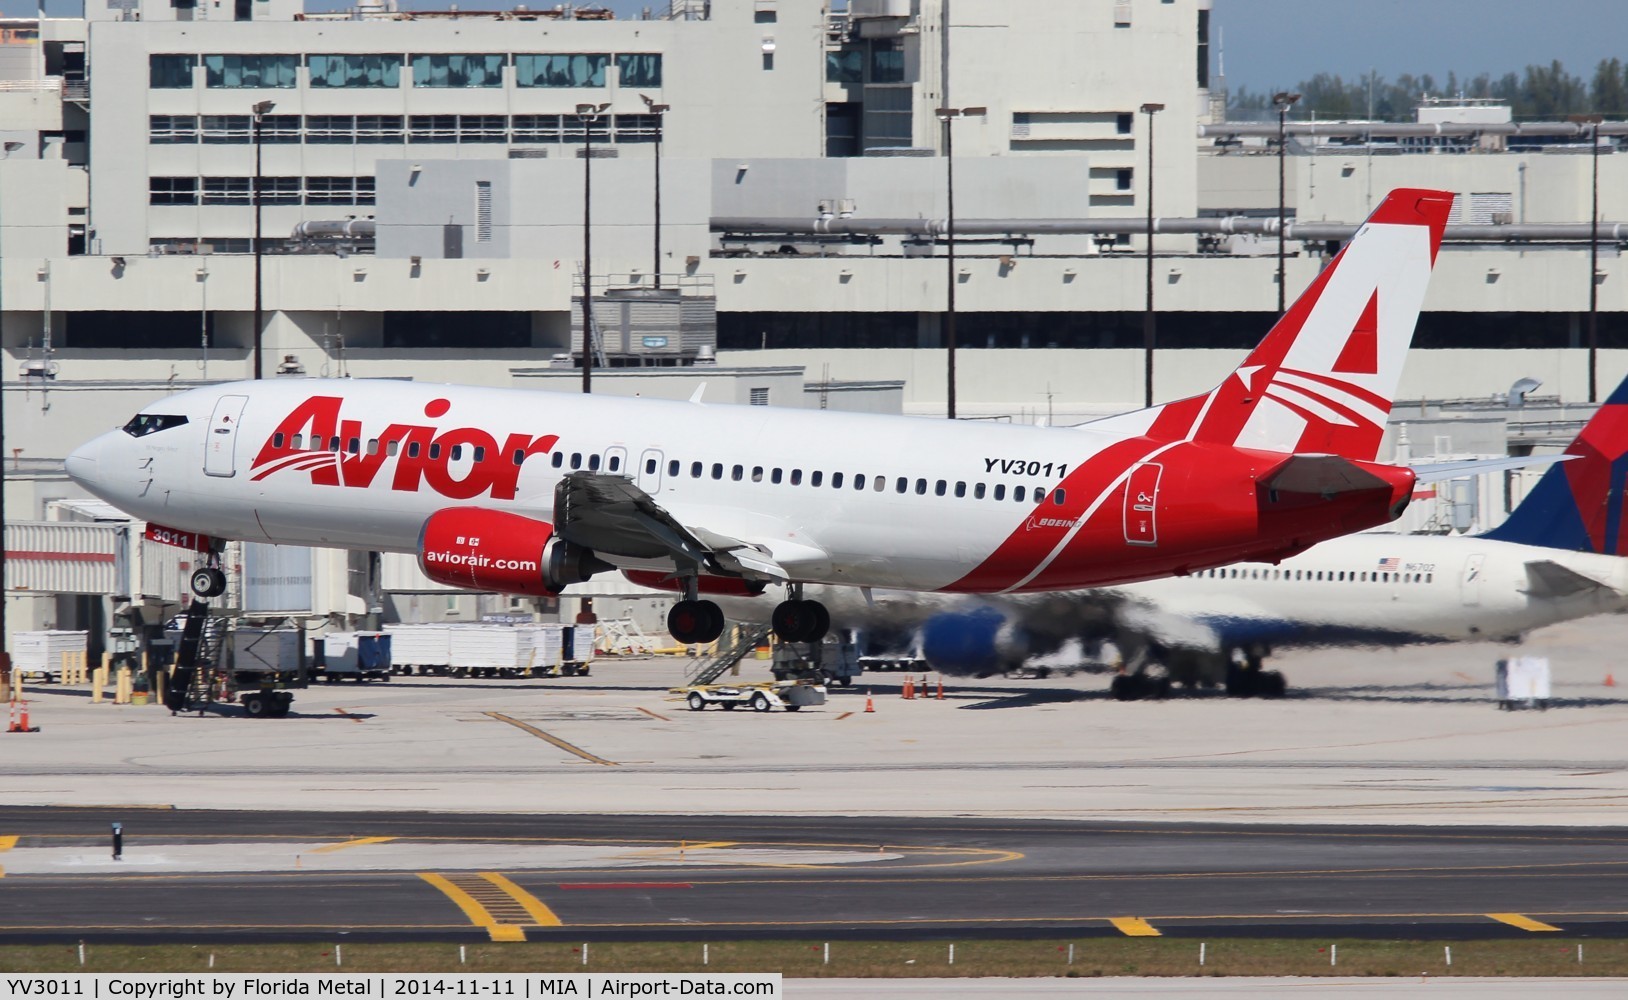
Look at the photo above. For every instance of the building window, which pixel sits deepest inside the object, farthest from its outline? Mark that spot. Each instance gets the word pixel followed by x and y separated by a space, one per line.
pixel 379 128
pixel 887 61
pixel 219 129
pixel 172 191
pixel 172 129
pixel 432 128
pixel 170 72
pixel 354 70
pixel 574 127
pixel 1122 179
pixel 637 128
pixel 330 190
pixel 457 70
pixel 845 66
pixel 1122 123
pixel 279 190
pixel 483 128
pixel 279 128
pixel 459 331
pixel 759 397
pixel 483 228
pixel 768 61
pixel 225 190
pixel 639 69
pixel 330 129
pixel 562 70
pixel 536 128
pixel 257 72
pixel 366 187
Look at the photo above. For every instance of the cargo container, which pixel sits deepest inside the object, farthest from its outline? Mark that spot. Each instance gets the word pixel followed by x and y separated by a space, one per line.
pixel 38 655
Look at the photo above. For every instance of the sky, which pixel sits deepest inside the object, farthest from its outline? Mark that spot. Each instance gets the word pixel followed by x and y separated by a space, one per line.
pixel 1274 44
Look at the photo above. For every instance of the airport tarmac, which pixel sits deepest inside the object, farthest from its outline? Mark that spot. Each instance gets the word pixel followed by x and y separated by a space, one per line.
pixel 240 875
pixel 1393 736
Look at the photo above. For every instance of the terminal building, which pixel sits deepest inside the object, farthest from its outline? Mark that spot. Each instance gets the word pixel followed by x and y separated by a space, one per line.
pixel 194 191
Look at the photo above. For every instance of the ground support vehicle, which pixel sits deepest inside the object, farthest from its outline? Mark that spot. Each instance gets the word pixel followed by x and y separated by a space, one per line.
pixel 762 697
pixel 835 661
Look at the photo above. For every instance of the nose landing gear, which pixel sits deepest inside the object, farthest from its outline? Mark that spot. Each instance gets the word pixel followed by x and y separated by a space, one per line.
pixel 208 582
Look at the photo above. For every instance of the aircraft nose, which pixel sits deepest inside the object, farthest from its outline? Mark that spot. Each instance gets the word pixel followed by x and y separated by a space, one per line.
pixel 82 463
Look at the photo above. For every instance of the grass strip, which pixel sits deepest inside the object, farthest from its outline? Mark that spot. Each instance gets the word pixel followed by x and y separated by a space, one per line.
pixel 1548 956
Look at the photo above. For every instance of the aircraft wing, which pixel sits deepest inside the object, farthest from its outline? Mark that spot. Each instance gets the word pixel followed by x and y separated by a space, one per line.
pixel 1435 473
pixel 1547 578
pixel 610 514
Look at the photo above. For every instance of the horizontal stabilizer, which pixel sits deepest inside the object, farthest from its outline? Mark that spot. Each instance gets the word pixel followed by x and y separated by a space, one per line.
pixel 1547 578
pixel 1472 467
pixel 1325 475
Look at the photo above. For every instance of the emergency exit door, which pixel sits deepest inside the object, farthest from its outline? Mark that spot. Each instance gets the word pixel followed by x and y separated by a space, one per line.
pixel 220 445
pixel 1142 504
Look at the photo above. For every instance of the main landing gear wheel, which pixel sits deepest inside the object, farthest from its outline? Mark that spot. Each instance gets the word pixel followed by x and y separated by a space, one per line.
pixel 692 622
pixel 801 621
pixel 1136 687
pixel 208 582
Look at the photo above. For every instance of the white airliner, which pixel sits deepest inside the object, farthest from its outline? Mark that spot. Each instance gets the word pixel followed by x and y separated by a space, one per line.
pixel 526 492
pixel 1560 555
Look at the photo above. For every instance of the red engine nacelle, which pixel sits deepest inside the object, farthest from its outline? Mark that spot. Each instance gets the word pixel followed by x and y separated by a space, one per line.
pixel 718 586
pixel 481 549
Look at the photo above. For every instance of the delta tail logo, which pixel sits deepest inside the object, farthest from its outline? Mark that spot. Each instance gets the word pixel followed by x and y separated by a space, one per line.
pixel 460 463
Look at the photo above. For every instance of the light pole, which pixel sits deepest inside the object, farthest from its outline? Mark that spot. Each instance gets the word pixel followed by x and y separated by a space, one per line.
pixel 1149 327
pixel 260 111
pixel 1593 121
pixel 660 111
pixel 588 114
pixel 1283 101
pixel 947 116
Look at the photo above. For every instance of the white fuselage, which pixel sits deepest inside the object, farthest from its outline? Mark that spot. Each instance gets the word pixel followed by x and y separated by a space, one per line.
pixel 840 498
pixel 1378 586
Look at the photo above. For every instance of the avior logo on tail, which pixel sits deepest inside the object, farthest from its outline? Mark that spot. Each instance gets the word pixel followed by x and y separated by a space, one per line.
pixel 460 463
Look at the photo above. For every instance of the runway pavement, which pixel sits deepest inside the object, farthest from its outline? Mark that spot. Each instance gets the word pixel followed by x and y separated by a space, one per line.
pixel 247 875
pixel 1387 737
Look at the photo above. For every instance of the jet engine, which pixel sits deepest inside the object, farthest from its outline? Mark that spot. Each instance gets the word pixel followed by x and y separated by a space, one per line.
pixel 976 643
pixel 481 549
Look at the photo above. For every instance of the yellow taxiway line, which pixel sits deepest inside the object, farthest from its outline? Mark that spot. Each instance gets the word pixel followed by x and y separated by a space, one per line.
pixel 1134 927
pixel 357 842
pixel 494 903
pixel 1522 921
pixel 567 747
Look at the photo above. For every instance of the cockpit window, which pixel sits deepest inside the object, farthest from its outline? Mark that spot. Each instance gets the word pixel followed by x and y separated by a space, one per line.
pixel 143 424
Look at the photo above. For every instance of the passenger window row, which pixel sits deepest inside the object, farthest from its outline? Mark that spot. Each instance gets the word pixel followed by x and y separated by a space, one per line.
pixel 1316 576
pixel 858 481
pixel 353 446
pixel 698 470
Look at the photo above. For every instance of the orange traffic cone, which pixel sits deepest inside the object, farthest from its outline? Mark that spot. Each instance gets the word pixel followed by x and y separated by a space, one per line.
pixel 870 706
pixel 909 688
pixel 924 688
pixel 1610 681
pixel 19 720
pixel 940 687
